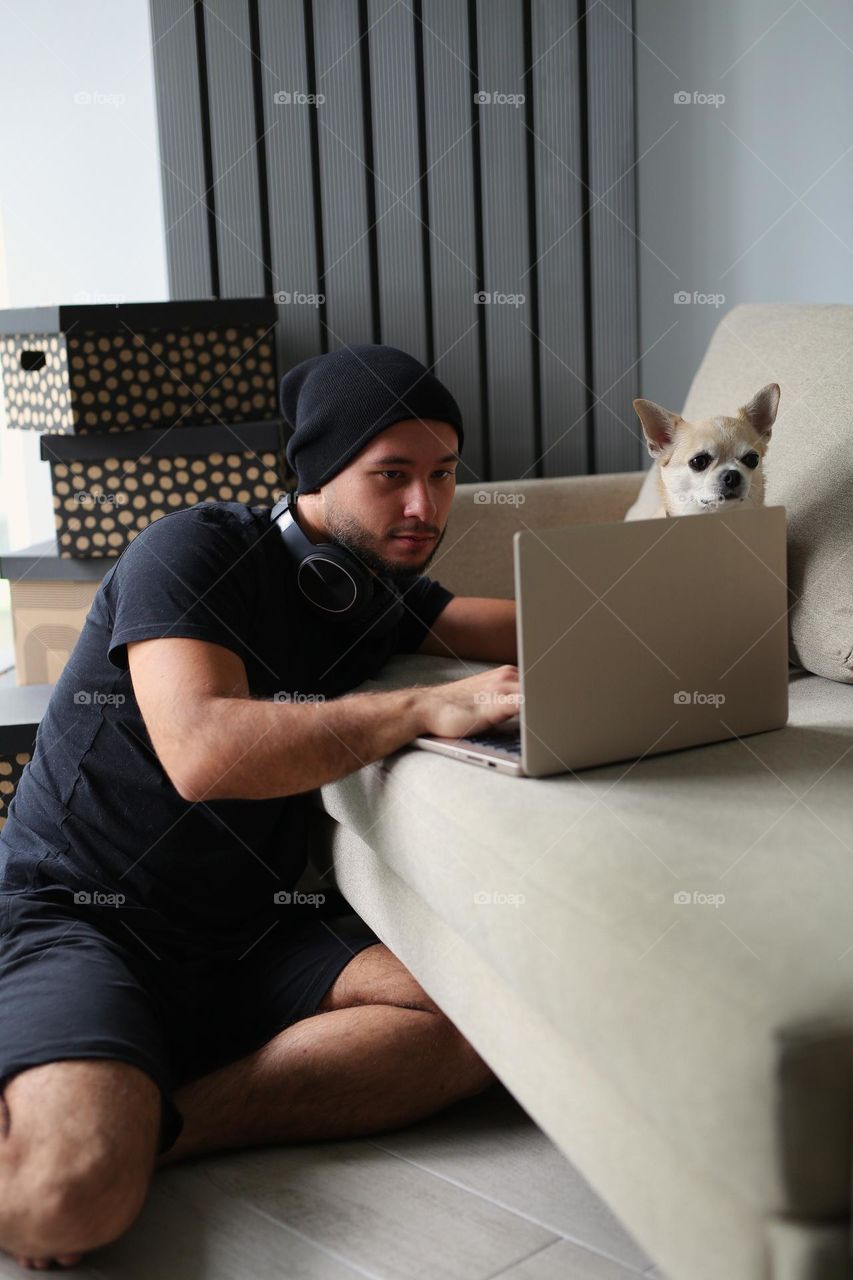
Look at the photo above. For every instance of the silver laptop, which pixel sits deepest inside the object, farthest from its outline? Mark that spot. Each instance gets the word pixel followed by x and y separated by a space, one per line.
pixel 641 637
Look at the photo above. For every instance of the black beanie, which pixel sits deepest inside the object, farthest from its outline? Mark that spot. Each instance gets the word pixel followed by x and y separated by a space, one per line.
pixel 336 403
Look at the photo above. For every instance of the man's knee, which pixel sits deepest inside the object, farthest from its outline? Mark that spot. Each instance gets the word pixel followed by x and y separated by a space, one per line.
pixel 47 1211
pixel 76 1155
pixel 473 1073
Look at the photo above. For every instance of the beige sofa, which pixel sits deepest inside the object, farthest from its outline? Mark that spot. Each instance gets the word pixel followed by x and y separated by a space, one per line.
pixel 694 1061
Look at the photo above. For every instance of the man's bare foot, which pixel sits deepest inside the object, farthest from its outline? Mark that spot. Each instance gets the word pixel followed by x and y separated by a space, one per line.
pixel 42 1264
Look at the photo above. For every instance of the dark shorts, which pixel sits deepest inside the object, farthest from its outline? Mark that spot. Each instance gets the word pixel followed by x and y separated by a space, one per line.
pixel 72 987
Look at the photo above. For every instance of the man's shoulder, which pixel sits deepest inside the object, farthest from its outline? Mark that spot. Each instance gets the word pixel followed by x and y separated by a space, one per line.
pixel 420 587
pixel 208 532
pixel 235 520
pixel 236 516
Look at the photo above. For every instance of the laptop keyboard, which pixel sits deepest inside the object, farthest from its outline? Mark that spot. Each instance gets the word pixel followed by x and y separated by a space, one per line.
pixel 510 742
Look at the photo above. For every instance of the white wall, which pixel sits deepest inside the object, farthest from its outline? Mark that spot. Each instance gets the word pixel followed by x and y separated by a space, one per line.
pixel 81 215
pixel 715 194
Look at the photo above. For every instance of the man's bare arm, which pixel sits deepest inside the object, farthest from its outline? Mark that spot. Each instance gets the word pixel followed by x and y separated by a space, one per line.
pixel 216 742
pixel 480 628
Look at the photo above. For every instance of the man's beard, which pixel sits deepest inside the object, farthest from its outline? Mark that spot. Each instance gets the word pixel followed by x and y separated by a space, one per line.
pixel 347 531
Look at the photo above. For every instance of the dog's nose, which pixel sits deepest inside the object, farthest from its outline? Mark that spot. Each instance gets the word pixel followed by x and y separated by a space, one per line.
pixel 732 480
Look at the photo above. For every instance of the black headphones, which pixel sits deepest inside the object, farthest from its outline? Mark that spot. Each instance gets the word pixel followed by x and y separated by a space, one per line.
pixel 334 581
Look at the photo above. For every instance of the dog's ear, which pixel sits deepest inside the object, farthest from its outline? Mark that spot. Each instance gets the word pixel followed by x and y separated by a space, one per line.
pixel 659 426
pixel 762 409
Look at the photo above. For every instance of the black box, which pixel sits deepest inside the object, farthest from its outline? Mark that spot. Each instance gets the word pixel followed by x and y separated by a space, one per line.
pixel 107 489
pixel 120 367
pixel 20 713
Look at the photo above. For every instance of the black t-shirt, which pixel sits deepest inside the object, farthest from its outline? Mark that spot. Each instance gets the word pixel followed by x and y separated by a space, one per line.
pixel 96 813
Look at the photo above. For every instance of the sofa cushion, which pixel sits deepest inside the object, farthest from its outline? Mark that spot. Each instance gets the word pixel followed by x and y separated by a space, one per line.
pixel 476 557
pixel 809 467
pixel 647 501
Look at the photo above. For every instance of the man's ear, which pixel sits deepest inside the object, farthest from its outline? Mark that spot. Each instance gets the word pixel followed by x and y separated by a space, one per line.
pixel 762 409
pixel 659 426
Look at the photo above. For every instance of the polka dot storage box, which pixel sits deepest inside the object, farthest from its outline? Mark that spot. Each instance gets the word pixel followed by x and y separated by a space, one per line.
pixel 20 713
pixel 108 488
pixel 120 367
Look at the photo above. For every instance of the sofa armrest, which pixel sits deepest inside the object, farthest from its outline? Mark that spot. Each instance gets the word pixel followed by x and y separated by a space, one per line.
pixel 475 557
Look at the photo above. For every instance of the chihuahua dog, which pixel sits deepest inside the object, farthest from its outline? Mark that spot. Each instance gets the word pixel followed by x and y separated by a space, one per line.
pixel 703 465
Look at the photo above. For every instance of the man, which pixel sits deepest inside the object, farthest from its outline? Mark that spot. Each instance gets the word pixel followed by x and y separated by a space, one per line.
pixel 159 996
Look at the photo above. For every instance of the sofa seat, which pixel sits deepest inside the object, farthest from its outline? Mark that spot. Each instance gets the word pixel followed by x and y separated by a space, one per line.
pixel 693 1058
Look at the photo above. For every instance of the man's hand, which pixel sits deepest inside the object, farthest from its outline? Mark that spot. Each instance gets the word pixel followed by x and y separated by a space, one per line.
pixel 216 742
pixel 471 705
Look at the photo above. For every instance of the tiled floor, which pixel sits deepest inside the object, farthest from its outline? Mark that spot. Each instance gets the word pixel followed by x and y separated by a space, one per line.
pixel 472 1193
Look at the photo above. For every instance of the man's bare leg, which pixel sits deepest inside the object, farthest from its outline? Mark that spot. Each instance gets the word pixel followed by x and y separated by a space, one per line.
pixel 358 1066
pixel 78 1140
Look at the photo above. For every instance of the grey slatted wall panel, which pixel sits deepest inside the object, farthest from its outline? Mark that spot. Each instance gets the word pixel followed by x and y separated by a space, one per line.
pixel 290 179
pixel 500 34
pixel 180 126
pixel 613 259
pixel 347 280
pixel 452 218
pixel 560 237
pixel 518 373
pixel 233 140
pixel 396 165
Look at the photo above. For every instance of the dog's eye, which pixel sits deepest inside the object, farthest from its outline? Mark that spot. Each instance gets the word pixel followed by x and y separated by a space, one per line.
pixel 700 461
pixel 751 459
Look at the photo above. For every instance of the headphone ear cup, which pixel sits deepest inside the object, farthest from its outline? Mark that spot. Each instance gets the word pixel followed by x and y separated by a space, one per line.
pixel 334 582
pixel 328 576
